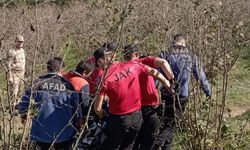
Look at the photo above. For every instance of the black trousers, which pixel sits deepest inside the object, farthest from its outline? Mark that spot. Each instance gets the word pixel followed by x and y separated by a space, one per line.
pixel 67 145
pixel 149 129
pixel 122 131
pixel 168 123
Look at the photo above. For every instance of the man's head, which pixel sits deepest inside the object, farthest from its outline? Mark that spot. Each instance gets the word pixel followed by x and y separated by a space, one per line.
pixel 131 52
pixel 103 56
pixel 19 41
pixel 180 40
pixel 55 64
pixel 83 68
pixel 112 46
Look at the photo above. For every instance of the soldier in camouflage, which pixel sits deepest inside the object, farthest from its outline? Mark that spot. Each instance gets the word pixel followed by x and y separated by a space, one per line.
pixel 16 68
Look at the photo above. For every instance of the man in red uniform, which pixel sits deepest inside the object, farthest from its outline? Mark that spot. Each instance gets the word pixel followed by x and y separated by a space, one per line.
pixel 112 46
pixel 121 85
pixel 76 77
pixel 150 99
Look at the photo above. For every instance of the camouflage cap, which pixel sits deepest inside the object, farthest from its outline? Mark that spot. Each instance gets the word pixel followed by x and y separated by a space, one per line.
pixel 19 38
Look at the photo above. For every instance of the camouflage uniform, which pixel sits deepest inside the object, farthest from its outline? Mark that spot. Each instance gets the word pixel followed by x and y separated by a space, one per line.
pixel 16 68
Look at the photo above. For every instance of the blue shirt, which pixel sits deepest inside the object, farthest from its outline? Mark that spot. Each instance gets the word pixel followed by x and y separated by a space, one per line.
pixel 183 63
pixel 56 109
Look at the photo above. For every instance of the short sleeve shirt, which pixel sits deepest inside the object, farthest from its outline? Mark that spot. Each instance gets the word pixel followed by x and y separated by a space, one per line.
pixel 148 88
pixel 121 85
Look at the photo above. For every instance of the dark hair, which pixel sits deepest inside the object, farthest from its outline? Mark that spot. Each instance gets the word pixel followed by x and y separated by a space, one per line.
pixel 178 38
pixel 99 53
pixel 129 50
pixel 81 67
pixel 111 46
pixel 55 64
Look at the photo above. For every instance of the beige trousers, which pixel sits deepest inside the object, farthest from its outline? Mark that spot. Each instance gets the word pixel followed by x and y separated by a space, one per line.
pixel 16 85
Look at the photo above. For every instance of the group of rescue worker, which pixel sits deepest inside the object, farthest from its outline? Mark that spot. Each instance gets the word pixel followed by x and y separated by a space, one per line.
pixel 127 109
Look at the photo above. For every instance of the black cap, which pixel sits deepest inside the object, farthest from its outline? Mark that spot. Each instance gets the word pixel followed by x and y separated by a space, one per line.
pixel 131 48
pixel 100 52
pixel 82 66
pixel 110 46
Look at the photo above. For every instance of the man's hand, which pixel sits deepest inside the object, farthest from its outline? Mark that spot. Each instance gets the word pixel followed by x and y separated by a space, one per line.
pixel 98 106
pixel 23 120
pixel 10 79
pixel 171 90
pixel 166 83
pixel 208 97
pixel 160 77
pixel 169 86
pixel 79 125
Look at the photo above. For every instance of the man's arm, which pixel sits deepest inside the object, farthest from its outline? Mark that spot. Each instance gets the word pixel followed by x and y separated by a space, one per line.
pixel 85 99
pixel 9 62
pixel 164 65
pixel 9 58
pixel 200 76
pixel 98 106
pixel 76 110
pixel 156 74
pixel 23 105
pixel 155 62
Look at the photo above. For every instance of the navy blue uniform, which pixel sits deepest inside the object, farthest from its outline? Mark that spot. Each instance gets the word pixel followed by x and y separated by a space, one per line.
pixel 183 63
pixel 56 107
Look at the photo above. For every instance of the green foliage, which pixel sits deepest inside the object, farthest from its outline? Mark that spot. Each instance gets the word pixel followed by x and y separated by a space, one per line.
pixel 152 43
pixel 239 82
pixel 8 3
pixel 33 2
pixel 146 26
pixel 71 54
pixel 245 58
pixel 237 136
